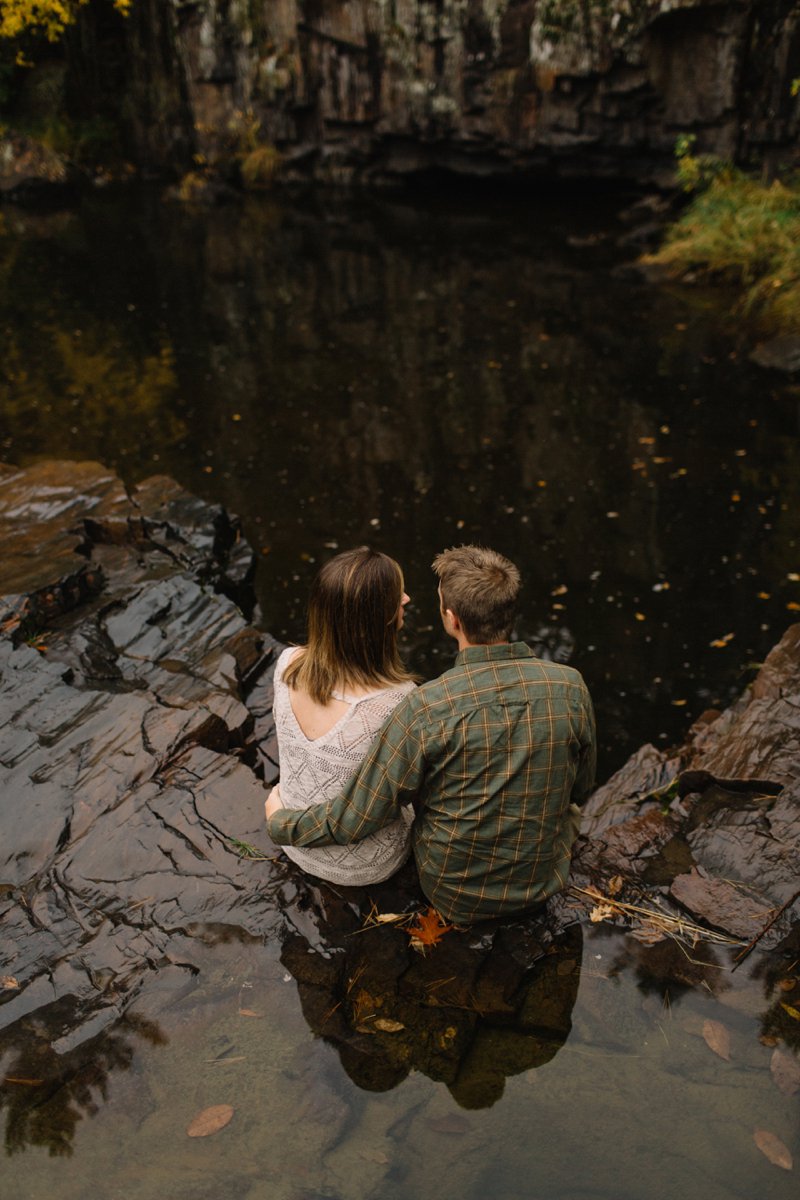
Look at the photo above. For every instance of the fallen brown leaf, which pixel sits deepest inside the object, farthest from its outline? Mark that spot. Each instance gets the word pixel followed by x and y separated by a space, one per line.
pixel 773 1149
pixel 429 929
pixel 249 1012
pixel 601 912
pixel 717 1038
pixel 386 1025
pixel 210 1120
pixel 786 1072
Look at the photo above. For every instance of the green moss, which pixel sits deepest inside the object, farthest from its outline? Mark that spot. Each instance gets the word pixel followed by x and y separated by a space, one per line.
pixel 742 231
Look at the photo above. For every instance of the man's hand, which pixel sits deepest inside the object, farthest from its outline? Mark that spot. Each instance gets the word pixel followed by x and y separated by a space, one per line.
pixel 273 802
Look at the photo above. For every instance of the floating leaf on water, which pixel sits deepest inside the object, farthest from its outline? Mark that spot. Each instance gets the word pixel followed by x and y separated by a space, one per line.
pixel 793 606
pixel 793 1012
pixel 210 1120
pixel 773 1148
pixel 786 1072
pixel 678 703
pixel 386 1025
pixel 561 590
pixel 717 1038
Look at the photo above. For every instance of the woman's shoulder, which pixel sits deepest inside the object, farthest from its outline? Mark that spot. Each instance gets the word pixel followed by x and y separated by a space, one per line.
pixel 389 697
pixel 284 658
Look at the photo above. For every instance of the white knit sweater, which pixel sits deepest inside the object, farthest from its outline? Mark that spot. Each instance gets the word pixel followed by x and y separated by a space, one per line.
pixel 315 770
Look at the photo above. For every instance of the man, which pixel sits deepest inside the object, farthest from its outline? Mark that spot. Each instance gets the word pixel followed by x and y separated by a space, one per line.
pixel 494 755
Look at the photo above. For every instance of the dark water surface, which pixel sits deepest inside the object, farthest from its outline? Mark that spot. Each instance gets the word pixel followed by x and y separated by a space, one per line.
pixel 417 373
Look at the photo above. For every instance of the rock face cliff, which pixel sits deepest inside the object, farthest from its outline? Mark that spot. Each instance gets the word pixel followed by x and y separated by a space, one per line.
pixel 379 88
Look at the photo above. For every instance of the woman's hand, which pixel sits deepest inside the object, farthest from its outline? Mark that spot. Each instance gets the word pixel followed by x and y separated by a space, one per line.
pixel 273 802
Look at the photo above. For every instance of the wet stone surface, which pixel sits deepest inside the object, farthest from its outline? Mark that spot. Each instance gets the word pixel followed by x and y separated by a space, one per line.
pixel 136 746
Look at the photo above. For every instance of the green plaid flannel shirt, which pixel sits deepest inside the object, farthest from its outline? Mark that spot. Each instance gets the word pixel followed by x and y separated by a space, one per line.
pixel 492 755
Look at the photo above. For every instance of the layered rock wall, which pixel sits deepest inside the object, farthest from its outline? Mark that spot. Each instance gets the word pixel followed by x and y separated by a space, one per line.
pixel 381 88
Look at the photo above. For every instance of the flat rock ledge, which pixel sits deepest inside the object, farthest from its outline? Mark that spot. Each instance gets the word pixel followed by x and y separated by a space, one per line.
pixel 136 747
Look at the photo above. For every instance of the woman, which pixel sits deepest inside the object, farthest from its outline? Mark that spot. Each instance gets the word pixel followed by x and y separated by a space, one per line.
pixel 331 698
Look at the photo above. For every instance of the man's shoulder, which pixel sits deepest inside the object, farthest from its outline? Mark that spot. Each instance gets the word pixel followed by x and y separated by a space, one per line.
pixel 559 672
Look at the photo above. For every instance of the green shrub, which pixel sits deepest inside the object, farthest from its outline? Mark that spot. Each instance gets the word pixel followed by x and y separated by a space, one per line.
pixel 741 231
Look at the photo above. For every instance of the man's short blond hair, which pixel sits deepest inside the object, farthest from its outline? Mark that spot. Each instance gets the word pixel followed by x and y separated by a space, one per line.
pixel 481 587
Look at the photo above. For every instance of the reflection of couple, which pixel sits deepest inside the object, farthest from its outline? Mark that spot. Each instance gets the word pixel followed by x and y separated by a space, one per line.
pixel 478 770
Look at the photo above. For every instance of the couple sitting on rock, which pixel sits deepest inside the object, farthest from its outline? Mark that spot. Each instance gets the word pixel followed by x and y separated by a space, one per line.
pixel 479 771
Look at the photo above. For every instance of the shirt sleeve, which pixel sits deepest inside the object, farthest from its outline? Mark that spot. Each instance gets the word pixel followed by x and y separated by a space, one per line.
pixel 389 777
pixel 587 763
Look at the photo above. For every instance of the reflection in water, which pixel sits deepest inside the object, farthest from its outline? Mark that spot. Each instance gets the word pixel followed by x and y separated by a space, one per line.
pixel 478 1007
pixel 46 1095
pixel 419 375
pixel 669 969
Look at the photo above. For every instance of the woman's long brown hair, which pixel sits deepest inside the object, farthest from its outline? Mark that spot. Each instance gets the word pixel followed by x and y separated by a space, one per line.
pixel 352 626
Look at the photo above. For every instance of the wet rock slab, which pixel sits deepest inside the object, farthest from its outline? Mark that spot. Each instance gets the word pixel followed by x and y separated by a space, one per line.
pixel 126 748
pixel 716 822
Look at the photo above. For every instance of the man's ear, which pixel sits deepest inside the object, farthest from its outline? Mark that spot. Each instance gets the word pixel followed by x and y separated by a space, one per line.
pixel 451 623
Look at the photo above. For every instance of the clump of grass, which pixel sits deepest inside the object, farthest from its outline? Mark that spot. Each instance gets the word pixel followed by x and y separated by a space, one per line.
pixel 260 166
pixel 741 231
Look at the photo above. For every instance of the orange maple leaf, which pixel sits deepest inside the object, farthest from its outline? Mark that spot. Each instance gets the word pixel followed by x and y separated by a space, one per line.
pixel 429 930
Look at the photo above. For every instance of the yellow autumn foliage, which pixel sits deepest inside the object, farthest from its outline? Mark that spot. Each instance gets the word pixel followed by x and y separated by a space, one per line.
pixel 47 17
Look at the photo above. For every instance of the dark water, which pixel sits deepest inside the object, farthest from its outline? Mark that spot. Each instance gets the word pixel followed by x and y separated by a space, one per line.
pixel 416 373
